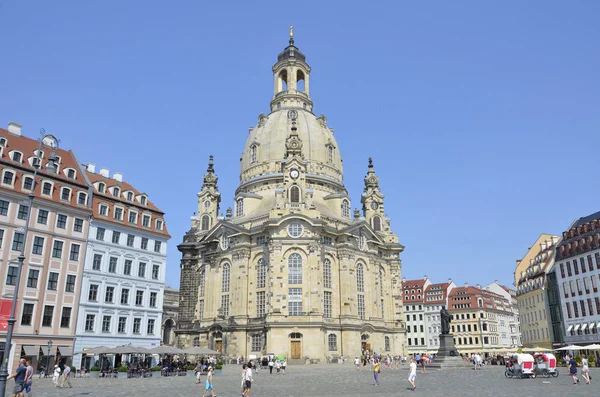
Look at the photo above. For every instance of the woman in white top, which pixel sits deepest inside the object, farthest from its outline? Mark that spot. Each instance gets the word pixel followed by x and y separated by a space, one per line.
pixel 56 375
pixel 585 370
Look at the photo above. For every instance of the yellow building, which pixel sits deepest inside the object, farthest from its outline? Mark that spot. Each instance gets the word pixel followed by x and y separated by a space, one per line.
pixel 292 270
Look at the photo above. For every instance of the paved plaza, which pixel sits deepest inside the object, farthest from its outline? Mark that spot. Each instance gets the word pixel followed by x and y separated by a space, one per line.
pixel 329 380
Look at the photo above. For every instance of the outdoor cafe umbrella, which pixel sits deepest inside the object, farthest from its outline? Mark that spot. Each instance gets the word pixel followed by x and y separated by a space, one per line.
pixel 591 347
pixel 165 350
pixel 200 350
pixel 571 347
pixel 94 350
pixel 538 349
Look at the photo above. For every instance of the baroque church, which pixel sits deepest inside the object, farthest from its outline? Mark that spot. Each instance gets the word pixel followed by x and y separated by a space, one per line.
pixel 291 270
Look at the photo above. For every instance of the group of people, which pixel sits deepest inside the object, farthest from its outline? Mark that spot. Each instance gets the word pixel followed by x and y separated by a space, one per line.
pixel 247 379
pixel 585 369
pixel 23 377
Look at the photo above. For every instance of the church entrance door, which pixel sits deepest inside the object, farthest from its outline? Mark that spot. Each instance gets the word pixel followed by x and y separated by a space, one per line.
pixel 296 349
pixel 219 346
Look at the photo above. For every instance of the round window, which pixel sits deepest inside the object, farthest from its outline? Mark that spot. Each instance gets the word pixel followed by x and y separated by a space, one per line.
pixel 295 229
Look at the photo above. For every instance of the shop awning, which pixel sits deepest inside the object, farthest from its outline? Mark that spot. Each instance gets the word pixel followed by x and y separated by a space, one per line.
pixel 592 325
pixel 584 326
pixel 30 350
pixel 577 327
pixel 44 350
pixel 65 350
pixel 570 328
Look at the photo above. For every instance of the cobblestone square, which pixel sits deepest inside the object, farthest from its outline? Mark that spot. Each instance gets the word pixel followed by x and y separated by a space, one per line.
pixel 329 380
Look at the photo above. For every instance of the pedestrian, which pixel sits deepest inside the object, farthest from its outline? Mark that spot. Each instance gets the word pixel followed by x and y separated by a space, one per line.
pixel 418 359
pixel 376 372
pixel 585 370
pixel 198 371
pixel 278 366
pixel 209 383
pixel 271 365
pixel 66 377
pixel 56 375
pixel 283 365
pixel 249 379
pixel 243 384
pixel 19 377
pixel 573 371
pixel 423 359
pixel 28 381
pixel 412 376
pixel 356 362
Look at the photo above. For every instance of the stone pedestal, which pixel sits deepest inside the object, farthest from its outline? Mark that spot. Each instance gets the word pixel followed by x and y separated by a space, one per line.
pixel 447 356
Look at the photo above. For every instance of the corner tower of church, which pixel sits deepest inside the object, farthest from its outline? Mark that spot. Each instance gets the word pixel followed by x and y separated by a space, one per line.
pixel 291 270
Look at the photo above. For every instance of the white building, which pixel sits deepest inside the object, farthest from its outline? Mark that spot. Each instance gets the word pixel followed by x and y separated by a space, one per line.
pixel 508 323
pixel 124 273
pixel 436 296
pixel 413 299
pixel 577 271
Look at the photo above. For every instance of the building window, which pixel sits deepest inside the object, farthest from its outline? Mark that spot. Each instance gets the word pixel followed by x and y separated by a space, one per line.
pixel 130 240
pixel 119 213
pixel 97 262
pixel 127 267
pixel 4 207
pixel 8 178
pixel 71 173
pixel 93 293
pixel 387 343
pixel 225 305
pixel 361 307
pixel 65 194
pixel 346 209
pixel 28 183
pixel 239 207
pixel 130 196
pixel 42 217
pixel 202 283
pixel 256 343
pixel 101 188
pixel 89 322
pixel 155 272
pixel 65 318
pixel 157 246
pixel 294 194
pixel 144 245
pixel 294 301
pixel 32 279
pixel 61 221
pixel 47 188
pixel 132 217
pixel 115 237
pixel 260 303
pixel 330 154
pixel 17 156
pixel 327 304
pixel 153 298
pixel 205 222
pixel 295 229
pixel 53 281
pixel 27 315
pixel 159 224
pixel 139 298
pixel 47 316
pixel 78 225
pixel 122 325
pixel 150 327
pixel 106 323
pixel 295 269
pixel 81 198
pixel 253 154
pixel 38 245
pixel 377 223
pixel 18 240
pixel 225 278
pixel 125 296
pixel 57 249
pixel 201 310
pixel 143 200
pixel 103 210
pixel 327 273
pixel 261 274
pixel 70 285
pixel 360 281
pixel 137 325
pixel 112 264
pixel 146 221
pixel 116 192
pixel 100 233
pixel 23 211
pixel 142 270
pixel 109 294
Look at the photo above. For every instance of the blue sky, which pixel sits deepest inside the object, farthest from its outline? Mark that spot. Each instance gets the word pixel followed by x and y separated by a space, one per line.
pixel 482 117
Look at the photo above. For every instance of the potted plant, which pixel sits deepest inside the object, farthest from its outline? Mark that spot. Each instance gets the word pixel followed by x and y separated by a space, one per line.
pixel 307 360
pixel 94 372
pixel 219 367
pixel 156 371
pixel 190 370
pixel 592 361
pixel 122 372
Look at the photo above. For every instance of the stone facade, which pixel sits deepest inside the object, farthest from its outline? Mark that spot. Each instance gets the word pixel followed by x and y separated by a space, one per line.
pixel 170 314
pixel 292 270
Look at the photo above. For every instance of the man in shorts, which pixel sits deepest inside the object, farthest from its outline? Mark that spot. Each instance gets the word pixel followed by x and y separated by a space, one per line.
pixel 19 377
pixel 412 376
pixel 209 384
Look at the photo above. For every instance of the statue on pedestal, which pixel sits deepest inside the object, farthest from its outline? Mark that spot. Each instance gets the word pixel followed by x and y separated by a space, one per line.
pixel 445 319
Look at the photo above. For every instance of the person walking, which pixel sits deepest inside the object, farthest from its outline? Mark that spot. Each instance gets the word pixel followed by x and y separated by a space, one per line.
pixel 585 370
pixel 356 362
pixel 271 364
pixel 243 384
pixel 283 365
pixel 573 370
pixel 249 379
pixel 412 376
pixel 19 377
pixel 376 372
pixel 209 383
pixel 56 375
pixel 66 377
pixel 28 381
pixel 198 371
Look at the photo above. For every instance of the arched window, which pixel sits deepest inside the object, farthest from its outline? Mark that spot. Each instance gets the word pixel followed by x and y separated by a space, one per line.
pixel 65 194
pixel 28 183
pixel 327 274
pixel 196 342
pixel 101 187
pixel 283 81
pixel 201 282
pixel 295 269
pixel 300 81
pixel 81 198
pixel 261 274
pixel 253 154
pixel 225 279
pixel 360 280
pixel 346 208
pixel 116 191
pixel 239 207
pixel 387 343
pixel 380 282
pixel 205 222
pixel 377 223
pixel 332 342
pixel 330 154
pixel 294 194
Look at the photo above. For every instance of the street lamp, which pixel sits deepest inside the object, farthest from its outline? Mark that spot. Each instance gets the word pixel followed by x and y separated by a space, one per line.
pixel 48 359
pixel 46 140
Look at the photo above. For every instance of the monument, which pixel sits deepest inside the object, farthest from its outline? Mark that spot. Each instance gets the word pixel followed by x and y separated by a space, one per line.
pixel 447 356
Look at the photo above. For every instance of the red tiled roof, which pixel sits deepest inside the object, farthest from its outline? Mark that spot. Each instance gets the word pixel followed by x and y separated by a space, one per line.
pixel 410 286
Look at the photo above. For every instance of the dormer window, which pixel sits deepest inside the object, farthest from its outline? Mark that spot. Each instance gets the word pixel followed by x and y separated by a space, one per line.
pixel 159 224
pixel 130 196
pixel 143 200
pixel 70 173
pixel 3 142
pixel 116 191
pixel 101 188
pixel 38 153
pixel 16 156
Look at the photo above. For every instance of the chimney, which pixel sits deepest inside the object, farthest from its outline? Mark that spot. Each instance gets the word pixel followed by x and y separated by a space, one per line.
pixel 466 285
pixel 14 128
pixel 118 177
pixel 91 168
pixel 478 286
pixel 404 279
pixel 495 281
pixel 425 277
pixel 104 172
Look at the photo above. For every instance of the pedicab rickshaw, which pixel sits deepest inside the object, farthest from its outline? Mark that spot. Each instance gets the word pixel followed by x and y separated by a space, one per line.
pixel 546 365
pixel 520 366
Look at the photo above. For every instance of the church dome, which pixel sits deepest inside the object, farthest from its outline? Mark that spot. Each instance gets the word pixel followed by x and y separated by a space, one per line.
pixel 265 149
